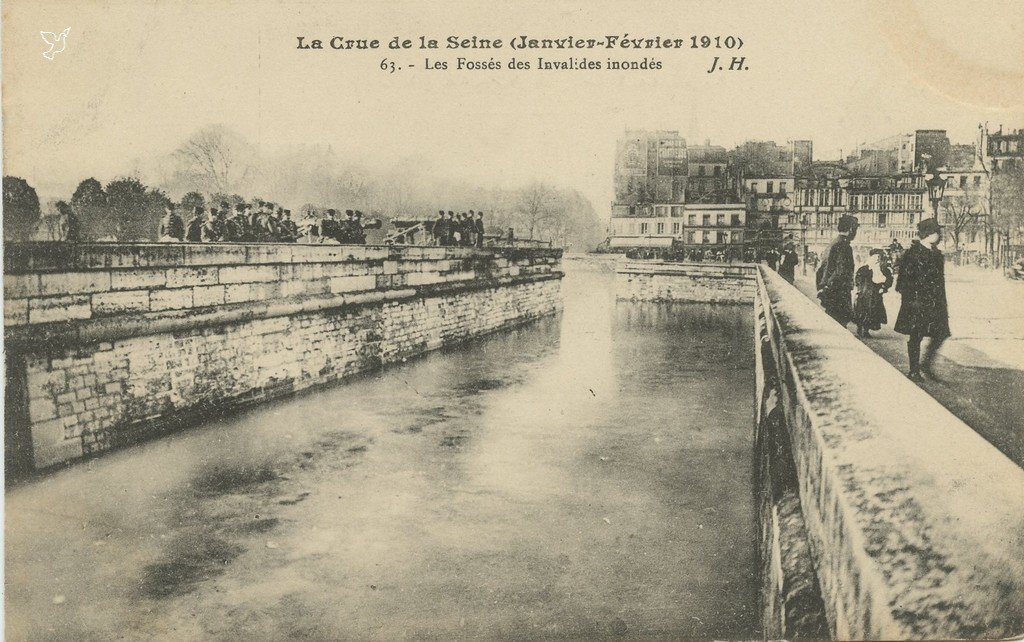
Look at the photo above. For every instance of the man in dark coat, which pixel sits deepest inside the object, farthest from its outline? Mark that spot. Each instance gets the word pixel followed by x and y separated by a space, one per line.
pixel 787 262
pixel 172 228
pixel 440 229
pixel 922 285
pixel 478 229
pixel 194 229
pixel 451 229
pixel 358 233
pixel 835 276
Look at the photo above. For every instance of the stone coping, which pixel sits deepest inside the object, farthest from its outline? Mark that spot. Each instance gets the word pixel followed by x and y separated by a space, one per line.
pixel 916 522
pixel 55 256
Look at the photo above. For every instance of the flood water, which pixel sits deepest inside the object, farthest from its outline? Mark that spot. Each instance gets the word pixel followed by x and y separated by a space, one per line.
pixel 586 476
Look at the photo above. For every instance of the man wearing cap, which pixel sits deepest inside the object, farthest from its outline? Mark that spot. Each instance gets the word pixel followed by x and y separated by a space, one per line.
pixel 358 233
pixel 478 229
pixel 788 261
pixel 922 286
pixel 172 228
pixel 210 232
pixel 439 229
pixel 835 276
pixel 194 229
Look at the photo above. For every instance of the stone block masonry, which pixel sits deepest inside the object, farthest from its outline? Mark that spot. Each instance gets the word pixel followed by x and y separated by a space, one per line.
pixel 140 338
pixel 695 282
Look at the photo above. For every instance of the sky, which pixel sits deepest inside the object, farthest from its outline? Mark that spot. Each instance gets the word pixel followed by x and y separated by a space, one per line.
pixel 137 78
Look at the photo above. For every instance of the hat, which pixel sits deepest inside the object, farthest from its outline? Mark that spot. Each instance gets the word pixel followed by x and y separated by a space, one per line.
pixel 240 207
pixel 927 227
pixel 224 204
pixel 331 212
pixel 847 223
pixel 877 251
pixel 348 212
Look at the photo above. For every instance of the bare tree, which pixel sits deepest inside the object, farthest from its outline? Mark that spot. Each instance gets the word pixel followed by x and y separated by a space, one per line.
pixel 961 212
pixel 534 206
pixel 215 159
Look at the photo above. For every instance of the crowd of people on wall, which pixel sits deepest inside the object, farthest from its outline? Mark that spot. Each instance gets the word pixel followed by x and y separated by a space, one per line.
pixel 261 222
pixel 852 294
pixel 465 229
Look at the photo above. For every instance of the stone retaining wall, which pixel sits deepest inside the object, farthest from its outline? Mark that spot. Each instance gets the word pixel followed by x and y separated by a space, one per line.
pixel 115 341
pixel 697 282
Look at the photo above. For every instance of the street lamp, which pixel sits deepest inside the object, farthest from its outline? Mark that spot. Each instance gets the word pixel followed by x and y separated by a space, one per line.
pixel 936 186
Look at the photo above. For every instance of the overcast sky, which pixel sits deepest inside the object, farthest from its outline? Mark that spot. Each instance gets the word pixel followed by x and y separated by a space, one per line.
pixel 137 78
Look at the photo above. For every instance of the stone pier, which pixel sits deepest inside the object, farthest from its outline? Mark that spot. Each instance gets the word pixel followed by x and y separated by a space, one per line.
pixel 107 343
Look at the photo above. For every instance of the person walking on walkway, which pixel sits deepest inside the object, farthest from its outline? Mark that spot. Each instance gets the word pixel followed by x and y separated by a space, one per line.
pixel 873 279
pixel 835 276
pixel 923 310
pixel 787 262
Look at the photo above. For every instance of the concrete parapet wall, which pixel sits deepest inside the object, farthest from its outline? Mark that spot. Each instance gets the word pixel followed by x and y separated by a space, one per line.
pixel 117 340
pixel 697 282
pixel 914 524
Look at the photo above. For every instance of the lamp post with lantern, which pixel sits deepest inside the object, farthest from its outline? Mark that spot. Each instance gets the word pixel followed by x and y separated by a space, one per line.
pixel 936 187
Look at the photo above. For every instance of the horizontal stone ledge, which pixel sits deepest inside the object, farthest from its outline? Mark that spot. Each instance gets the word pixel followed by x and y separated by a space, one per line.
pixel 87 331
pixel 55 256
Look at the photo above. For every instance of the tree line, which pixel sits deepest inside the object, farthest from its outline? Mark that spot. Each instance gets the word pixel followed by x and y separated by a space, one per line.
pixel 216 165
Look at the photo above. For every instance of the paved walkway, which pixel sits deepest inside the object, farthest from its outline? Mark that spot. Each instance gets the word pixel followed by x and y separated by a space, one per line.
pixel 981 367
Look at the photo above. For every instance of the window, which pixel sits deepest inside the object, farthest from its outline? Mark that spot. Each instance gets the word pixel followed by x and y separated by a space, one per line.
pixel 706 237
pixel 977 181
pixel 677 210
pixel 632 229
pixel 707 220
pixel 782 187
pixel 700 170
pixel 963 182
pixel 881 219
pixel 675 227
pixel 718 170
pixel 643 228
pixel 771 187
pixel 721 219
pixel 661 228
pixel 737 237
pixel 691 237
pixel 753 188
pixel 723 237
pixel 692 220
pixel 736 220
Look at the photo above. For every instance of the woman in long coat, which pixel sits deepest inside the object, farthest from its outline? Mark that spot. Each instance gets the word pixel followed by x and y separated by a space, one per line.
pixel 871 281
pixel 923 310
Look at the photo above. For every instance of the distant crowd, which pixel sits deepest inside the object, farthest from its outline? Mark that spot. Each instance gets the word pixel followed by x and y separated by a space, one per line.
pixel 465 229
pixel 261 222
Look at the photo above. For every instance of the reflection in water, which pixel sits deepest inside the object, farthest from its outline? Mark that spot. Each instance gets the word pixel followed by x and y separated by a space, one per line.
pixel 586 475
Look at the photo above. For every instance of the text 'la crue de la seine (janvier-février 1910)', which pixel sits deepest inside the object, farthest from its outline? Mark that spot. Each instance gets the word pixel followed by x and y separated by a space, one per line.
pixel 620 43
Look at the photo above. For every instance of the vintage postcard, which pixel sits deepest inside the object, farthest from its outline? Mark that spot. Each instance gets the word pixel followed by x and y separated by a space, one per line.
pixel 563 320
